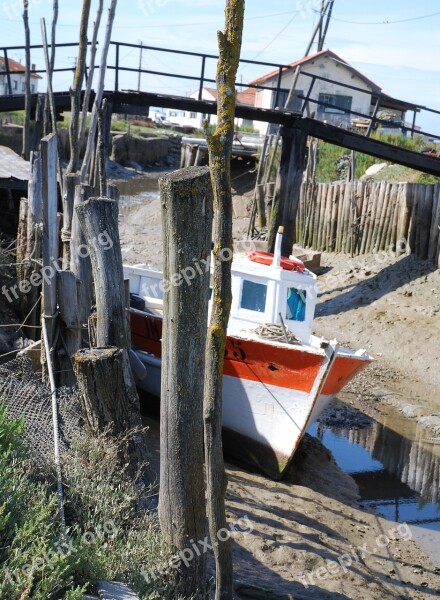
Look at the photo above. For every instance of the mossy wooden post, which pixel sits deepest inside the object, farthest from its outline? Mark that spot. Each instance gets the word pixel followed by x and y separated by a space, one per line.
pixel 98 218
pixel 220 151
pixel 22 235
pixel 186 197
pixel 288 188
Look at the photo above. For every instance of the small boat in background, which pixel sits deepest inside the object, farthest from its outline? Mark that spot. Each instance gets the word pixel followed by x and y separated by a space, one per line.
pixel 277 376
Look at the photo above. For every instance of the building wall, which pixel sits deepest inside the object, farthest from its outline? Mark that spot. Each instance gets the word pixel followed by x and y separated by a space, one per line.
pixel 324 67
pixel 18 84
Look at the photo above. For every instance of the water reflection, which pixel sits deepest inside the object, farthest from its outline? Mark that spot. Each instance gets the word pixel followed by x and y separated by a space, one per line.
pixel 395 464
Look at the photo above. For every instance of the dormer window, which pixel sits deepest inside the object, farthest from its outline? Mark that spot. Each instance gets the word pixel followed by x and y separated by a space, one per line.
pixel 253 296
pixel 296 304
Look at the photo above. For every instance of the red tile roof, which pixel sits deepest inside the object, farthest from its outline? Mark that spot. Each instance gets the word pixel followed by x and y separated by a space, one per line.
pixel 312 57
pixel 213 92
pixel 247 97
pixel 16 67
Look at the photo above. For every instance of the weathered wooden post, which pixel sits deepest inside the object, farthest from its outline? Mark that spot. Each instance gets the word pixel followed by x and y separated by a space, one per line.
pixel 49 157
pixel 98 218
pixel 187 210
pixel 288 188
pixel 79 256
pixel 71 180
pixel 100 375
pixel 70 332
pixel 31 307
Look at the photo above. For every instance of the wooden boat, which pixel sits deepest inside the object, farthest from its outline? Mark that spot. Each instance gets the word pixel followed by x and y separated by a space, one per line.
pixel 278 377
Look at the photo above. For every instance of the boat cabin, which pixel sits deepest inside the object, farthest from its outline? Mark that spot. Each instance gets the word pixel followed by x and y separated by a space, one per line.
pixel 268 292
pixel 261 294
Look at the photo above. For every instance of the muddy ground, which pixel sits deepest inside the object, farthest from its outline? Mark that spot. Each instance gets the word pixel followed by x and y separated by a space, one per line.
pixel 309 536
pixel 305 528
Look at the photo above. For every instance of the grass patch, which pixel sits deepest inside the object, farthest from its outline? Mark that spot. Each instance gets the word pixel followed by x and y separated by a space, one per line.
pixel 109 536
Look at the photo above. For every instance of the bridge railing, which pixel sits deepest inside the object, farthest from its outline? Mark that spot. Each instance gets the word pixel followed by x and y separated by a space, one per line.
pixel 378 100
pixel 201 77
pixel 6 72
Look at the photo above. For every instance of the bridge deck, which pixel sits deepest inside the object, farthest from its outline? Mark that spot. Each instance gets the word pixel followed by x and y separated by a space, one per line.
pixel 131 102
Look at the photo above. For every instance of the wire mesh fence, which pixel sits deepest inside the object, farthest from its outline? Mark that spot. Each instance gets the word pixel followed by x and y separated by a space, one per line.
pixel 26 396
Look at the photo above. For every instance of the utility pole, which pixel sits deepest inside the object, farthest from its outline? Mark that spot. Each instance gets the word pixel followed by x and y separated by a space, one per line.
pixel 323 31
pixel 140 66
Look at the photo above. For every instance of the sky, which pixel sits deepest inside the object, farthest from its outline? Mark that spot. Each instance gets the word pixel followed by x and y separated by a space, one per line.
pixel 395 43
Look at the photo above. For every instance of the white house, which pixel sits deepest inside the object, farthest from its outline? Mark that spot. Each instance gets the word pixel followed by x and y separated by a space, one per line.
pixel 348 90
pixel 196 120
pixel 17 75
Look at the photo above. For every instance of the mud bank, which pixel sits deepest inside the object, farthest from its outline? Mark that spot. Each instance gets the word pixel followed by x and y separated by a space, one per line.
pixel 306 525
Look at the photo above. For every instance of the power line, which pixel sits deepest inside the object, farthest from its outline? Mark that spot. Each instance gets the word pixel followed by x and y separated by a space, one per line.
pixel 275 37
pixel 165 25
pixel 387 22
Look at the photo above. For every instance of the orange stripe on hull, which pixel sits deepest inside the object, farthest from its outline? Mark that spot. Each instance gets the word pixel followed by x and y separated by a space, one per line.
pixel 146 334
pixel 343 370
pixel 287 367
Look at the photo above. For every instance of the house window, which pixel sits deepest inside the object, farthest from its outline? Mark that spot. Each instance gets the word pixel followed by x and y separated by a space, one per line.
pixel 280 102
pixel 23 87
pixel 15 85
pixel 253 296
pixel 193 115
pixel 338 104
pixel 296 304
pixel 173 113
pixel 32 88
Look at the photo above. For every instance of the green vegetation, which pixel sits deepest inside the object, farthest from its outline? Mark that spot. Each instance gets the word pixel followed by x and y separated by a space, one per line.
pixel 329 154
pixel 109 536
pixel 247 129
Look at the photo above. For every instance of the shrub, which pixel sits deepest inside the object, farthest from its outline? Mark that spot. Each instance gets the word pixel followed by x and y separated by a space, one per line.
pixel 109 535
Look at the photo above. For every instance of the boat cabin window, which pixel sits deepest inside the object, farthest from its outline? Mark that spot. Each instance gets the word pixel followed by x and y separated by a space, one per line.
pixel 296 304
pixel 253 296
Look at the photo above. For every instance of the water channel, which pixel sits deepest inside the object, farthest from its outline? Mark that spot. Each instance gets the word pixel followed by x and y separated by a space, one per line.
pixel 396 465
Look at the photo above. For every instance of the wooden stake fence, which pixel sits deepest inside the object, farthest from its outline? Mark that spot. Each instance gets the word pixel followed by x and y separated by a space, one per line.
pixel 365 217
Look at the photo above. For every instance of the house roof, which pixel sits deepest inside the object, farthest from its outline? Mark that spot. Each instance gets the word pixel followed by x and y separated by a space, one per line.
pixel 212 91
pixel 247 97
pixel 308 59
pixel 16 67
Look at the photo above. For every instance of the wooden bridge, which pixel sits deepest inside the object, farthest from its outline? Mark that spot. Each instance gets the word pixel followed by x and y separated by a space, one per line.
pixel 138 103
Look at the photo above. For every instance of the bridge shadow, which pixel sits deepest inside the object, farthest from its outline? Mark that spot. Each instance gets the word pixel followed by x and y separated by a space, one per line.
pixel 366 292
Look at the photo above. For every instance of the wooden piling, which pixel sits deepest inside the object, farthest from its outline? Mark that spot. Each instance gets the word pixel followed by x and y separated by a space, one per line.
pixel 49 157
pixel 80 263
pixel 98 218
pixel 187 210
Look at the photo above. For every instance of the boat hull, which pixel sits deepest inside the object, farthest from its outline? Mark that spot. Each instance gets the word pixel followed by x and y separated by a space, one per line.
pixel 269 392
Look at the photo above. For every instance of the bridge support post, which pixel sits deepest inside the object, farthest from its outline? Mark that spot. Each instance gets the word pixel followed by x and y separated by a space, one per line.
pixel 288 187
